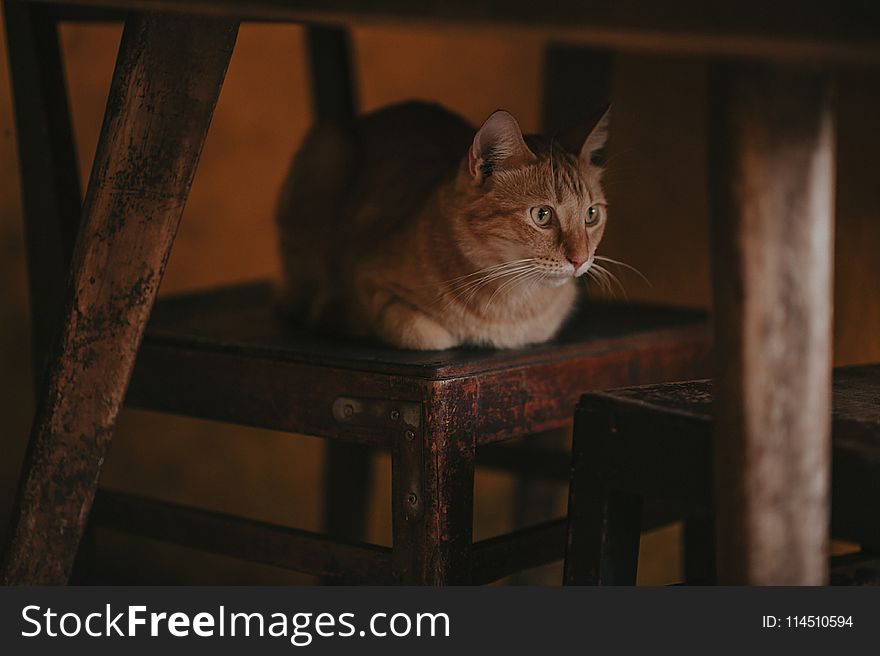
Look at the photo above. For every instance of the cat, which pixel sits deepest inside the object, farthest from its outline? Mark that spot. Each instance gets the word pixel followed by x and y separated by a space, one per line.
pixel 410 226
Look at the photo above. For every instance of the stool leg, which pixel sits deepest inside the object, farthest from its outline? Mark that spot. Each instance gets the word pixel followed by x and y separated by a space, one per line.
pixel 604 536
pixel 167 79
pixel 699 551
pixel 604 524
pixel 433 492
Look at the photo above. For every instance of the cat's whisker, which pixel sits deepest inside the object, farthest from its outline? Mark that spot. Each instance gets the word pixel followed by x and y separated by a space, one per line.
pixel 510 284
pixel 468 289
pixel 601 282
pixel 614 278
pixel 609 260
pixel 487 270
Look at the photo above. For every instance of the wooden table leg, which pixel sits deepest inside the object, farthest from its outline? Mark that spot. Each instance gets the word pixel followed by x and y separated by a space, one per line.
pixel 167 79
pixel 772 158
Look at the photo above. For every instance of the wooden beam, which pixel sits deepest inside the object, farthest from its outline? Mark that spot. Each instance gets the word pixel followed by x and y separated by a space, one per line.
pixel 167 79
pixel 846 30
pixel 508 554
pixel 772 175
pixel 245 539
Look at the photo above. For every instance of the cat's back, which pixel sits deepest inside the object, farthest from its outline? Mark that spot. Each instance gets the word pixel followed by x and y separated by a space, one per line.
pixel 403 152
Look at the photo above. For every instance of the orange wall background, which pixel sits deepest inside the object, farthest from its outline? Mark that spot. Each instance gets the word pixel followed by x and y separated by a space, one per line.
pixel 659 223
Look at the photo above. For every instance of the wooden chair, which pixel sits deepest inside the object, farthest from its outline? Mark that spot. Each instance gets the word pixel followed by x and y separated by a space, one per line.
pixel 225 355
pixel 641 451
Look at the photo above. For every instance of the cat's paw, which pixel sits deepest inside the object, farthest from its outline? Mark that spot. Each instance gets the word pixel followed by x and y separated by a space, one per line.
pixel 404 327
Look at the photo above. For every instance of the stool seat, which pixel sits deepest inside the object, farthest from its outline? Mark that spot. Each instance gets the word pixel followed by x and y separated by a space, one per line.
pixel 218 344
pixel 637 445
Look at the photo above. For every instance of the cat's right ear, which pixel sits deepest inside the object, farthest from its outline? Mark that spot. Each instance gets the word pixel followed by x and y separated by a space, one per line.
pixel 498 144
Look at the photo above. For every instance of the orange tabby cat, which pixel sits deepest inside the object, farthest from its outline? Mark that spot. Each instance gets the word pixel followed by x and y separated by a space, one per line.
pixel 409 227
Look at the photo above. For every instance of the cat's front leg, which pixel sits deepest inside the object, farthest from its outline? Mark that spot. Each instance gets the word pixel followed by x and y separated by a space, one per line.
pixel 404 326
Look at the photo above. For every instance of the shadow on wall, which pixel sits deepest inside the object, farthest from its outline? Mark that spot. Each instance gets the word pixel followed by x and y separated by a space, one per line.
pixel 658 223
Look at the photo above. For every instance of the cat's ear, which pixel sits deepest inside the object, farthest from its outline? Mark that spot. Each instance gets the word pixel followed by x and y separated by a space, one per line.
pixel 587 140
pixel 498 144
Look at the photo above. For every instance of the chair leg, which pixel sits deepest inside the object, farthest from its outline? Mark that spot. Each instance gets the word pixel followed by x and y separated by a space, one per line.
pixel 604 535
pixel 51 195
pixel 433 493
pixel 699 551
pixel 167 79
pixel 604 524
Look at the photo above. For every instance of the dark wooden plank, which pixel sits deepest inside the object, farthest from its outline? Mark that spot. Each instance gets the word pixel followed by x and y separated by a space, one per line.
pixel 244 319
pixel 167 80
pixel 267 392
pixel 507 554
pixel 261 392
pixel 847 30
pixel 772 175
pixel 245 539
pixel 49 172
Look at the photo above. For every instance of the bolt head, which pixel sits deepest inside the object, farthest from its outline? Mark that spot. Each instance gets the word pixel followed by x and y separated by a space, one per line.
pixel 348 410
pixel 410 435
pixel 412 498
pixel 395 415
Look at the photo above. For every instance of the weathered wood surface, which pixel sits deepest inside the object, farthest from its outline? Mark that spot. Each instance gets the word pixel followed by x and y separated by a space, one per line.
pixel 772 177
pixel 661 448
pixel 846 30
pixel 167 80
pixel 225 356
pixel 432 490
pixel 51 195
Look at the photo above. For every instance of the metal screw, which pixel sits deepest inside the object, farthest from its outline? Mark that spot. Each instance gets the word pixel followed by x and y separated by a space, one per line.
pixel 348 411
pixel 412 498
pixel 395 415
pixel 410 435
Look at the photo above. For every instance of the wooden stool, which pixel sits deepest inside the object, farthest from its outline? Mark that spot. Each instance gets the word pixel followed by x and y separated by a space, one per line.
pixel 643 448
pixel 224 355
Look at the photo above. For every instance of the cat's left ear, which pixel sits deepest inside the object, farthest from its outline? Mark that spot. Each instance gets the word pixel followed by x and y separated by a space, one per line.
pixel 498 144
pixel 588 140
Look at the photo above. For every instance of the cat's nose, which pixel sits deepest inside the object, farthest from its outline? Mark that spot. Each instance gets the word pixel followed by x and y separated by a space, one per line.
pixel 576 262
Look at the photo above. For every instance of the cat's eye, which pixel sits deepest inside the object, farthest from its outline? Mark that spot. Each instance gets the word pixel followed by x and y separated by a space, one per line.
pixel 593 215
pixel 542 216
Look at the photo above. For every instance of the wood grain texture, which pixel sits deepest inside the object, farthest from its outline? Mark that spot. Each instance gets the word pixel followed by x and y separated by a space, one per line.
pixel 772 182
pixel 51 195
pixel 846 30
pixel 165 86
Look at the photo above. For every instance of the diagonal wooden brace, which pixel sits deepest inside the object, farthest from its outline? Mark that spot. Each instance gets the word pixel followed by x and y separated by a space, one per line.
pixel 168 76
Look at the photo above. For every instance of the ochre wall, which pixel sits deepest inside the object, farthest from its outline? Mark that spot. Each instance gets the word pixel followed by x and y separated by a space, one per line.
pixel 659 223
